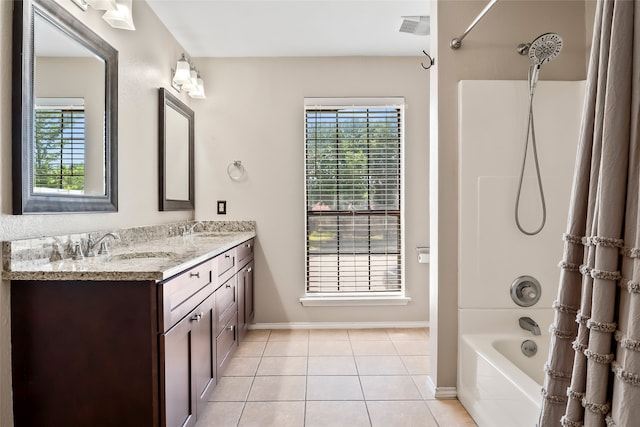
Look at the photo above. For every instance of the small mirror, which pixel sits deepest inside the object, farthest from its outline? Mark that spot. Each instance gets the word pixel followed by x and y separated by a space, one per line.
pixel 65 99
pixel 176 154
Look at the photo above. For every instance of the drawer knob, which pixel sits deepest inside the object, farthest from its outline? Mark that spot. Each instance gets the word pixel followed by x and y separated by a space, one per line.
pixel 196 274
pixel 248 245
pixel 228 285
pixel 249 270
pixel 227 256
pixel 197 317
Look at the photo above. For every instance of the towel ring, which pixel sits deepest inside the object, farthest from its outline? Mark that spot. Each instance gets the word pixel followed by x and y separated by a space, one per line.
pixel 235 170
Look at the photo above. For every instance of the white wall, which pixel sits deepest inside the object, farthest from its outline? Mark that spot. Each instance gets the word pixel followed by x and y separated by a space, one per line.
pixel 493 252
pixel 254 113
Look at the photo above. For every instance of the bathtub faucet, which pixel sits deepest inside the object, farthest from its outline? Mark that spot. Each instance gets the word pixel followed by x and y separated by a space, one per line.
pixel 529 324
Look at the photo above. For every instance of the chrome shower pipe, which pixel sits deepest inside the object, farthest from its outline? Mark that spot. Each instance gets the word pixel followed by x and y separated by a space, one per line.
pixel 456 42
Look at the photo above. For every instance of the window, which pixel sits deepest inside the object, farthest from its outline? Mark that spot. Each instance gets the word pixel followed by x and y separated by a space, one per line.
pixel 353 182
pixel 59 152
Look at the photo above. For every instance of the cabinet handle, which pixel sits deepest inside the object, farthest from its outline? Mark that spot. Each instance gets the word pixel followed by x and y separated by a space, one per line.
pixel 249 270
pixel 196 274
pixel 197 317
pixel 228 285
pixel 227 256
pixel 248 245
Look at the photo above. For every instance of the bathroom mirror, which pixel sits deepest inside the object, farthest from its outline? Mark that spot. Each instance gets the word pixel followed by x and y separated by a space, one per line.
pixel 176 153
pixel 65 113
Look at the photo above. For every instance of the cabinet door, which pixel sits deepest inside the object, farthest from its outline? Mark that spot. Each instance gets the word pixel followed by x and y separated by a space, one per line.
pixel 176 382
pixel 203 338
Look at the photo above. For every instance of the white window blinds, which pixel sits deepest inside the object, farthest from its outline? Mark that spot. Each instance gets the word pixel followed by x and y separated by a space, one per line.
pixel 59 152
pixel 353 199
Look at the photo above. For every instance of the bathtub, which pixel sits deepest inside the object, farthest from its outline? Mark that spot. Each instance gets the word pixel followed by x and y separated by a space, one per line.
pixel 497 384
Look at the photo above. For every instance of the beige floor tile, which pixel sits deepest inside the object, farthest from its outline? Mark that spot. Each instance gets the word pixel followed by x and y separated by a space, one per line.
pixel 221 414
pixel 273 414
pixel 422 383
pixel 412 348
pixel 368 334
pixel 231 389
pixel 340 387
pixel 450 413
pixel 380 365
pixel 257 335
pixel 417 365
pixel 331 365
pixel 281 387
pixel 328 335
pixel 242 367
pixel 250 349
pixel 414 413
pixel 389 387
pixel 336 414
pixel 408 334
pixel 287 348
pixel 289 335
pixel 373 348
pixel 330 348
pixel 285 365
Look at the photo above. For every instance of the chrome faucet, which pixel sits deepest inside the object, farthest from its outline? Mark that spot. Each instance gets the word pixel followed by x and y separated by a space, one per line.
pixel 529 324
pixel 91 244
pixel 189 230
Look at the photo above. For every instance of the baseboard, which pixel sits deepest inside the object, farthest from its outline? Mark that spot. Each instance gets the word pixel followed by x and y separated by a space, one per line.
pixel 441 392
pixel 339 325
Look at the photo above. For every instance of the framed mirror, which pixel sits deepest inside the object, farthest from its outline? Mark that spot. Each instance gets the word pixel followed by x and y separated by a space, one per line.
pixel 176 153
pixel 65 106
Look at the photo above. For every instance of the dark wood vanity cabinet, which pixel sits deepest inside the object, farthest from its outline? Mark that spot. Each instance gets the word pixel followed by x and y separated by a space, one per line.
pixel 127 353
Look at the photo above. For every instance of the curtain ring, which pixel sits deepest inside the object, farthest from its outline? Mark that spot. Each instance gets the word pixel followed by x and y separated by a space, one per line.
pixel 235 170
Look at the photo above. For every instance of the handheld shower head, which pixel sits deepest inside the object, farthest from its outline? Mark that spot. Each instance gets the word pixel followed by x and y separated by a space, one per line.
pixel 545 48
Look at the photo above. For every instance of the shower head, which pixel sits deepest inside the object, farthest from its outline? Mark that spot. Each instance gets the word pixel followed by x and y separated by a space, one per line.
pixel 545 48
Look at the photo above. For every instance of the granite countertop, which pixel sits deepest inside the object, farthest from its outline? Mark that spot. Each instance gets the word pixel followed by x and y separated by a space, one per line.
pixel 137 259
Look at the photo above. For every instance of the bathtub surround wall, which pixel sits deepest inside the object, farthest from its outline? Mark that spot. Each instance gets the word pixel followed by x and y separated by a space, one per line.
pixel 255 114
pixel 488 53
pixel 492 251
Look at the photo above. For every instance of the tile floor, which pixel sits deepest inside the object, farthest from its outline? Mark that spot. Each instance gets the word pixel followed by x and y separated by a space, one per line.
pixel 331 378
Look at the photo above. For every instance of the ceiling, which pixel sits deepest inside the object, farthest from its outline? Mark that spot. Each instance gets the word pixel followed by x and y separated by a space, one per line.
pixel 264 28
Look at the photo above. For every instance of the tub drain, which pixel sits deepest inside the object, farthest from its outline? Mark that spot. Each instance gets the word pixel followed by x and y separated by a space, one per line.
pixel 529 348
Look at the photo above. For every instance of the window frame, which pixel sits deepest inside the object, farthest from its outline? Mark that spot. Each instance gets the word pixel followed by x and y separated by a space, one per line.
pixel 339 298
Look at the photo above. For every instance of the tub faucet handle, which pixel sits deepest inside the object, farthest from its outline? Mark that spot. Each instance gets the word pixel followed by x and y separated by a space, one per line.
pixel 530 325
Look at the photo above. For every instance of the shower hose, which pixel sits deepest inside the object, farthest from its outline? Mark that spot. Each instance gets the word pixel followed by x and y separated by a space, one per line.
pixel 531 131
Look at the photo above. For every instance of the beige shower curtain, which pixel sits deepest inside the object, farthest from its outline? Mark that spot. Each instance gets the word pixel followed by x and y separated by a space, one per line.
pixel 593 371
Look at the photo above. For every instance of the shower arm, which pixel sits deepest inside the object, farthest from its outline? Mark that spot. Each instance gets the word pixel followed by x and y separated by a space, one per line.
pixel 456 42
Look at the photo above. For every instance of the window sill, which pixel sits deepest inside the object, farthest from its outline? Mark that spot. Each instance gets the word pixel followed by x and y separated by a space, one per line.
pixel 326 301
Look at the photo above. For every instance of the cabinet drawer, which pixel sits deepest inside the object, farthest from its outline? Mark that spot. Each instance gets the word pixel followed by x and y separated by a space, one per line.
pixel 181 294
pixel 226 263
pixel 225 302
pixel 226 345
pixel 244 252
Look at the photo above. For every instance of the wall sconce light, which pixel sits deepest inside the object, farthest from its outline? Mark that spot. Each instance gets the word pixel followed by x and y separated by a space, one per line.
pixel 118 12
pixel 186 78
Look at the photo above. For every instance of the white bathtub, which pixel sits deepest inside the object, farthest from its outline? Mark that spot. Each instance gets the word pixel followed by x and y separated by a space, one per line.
pixel 497 384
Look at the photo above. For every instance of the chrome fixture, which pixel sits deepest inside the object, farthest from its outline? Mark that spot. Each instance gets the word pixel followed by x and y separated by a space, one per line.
pixel 76 253
pixel 543 49
pixel 236 170
pixel 186 78
pixel 104 250
pixel 432 61
pixel 456 42
pixel 118 13
pixel 187 231
pixel 418 25
pixel 525 291
pixel 529 348
pixel 530 325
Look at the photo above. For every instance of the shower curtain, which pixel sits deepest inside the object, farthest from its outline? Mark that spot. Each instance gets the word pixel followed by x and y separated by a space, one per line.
pixel 593 371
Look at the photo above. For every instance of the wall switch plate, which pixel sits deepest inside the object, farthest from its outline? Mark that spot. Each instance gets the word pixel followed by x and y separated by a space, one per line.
pixel 222 207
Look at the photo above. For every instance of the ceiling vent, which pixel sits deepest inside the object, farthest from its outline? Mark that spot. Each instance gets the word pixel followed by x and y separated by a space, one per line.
pixel 418 25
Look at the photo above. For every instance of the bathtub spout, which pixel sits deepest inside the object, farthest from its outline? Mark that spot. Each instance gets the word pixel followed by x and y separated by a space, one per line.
pixel 529 324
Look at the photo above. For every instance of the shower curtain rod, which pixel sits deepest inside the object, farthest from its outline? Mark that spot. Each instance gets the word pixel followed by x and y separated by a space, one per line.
pixel 457 41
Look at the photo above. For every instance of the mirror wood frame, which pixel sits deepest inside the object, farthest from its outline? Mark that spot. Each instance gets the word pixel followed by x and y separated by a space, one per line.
pixel 169 101
pixel 25 201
